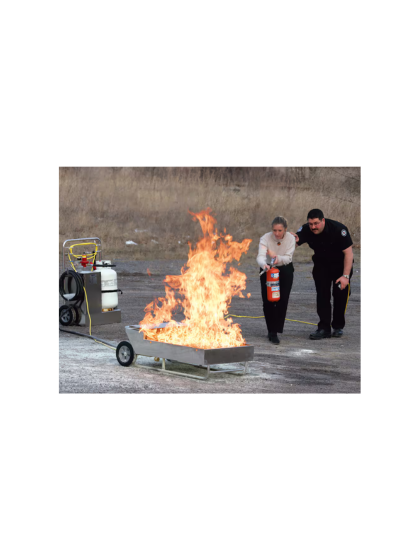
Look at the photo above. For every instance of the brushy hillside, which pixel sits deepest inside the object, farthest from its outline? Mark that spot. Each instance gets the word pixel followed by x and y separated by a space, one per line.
pixel 149 206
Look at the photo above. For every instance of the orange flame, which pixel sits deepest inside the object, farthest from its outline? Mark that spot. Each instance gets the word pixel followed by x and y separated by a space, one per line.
pixel 206 286
pixel 149 273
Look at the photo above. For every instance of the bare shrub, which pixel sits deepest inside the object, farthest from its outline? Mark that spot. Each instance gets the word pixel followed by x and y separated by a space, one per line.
pixel 150 205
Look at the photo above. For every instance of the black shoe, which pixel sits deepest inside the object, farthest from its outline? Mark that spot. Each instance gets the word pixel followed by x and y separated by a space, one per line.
pixel 337 333
pixel 320 333
pixel 274 338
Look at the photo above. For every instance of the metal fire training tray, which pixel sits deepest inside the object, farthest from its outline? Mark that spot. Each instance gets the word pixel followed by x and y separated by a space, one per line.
pixel 199 357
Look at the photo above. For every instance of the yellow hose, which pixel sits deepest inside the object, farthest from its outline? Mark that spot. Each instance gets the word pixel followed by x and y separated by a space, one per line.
pixel 262 317
pixel 87 303
pixel 107 345
pixel 292 320
pixel 348 295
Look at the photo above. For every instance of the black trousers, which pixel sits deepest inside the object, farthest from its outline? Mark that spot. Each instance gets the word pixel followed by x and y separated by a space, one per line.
pixel 275 311
pixel 324 277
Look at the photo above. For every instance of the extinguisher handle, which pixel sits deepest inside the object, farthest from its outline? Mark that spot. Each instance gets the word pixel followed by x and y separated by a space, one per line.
pixel 264 270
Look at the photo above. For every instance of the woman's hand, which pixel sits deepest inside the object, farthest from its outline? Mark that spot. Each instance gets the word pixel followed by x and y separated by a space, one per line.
pixel 272 255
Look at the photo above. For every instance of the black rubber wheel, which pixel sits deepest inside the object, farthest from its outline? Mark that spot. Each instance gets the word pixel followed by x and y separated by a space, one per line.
pixel 125 353
pixel 67 315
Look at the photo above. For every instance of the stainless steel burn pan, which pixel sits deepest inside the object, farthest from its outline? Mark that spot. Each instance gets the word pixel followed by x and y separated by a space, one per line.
pixel 187 354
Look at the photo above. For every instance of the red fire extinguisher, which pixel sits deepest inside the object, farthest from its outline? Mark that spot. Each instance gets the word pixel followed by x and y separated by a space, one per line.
pixel 273 283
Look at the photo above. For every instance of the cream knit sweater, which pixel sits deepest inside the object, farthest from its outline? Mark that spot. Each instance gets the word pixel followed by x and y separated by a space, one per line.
pixel 284 251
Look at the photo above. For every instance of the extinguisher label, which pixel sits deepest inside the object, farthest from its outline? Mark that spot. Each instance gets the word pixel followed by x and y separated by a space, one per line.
pixel 275 288
pixel 274 275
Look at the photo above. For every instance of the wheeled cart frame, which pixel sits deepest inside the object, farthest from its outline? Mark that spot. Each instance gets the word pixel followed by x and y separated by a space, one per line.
pixel 127 353
pixel 78 313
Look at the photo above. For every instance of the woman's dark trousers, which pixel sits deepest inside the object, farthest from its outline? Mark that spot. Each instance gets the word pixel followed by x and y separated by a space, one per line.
pixel 275 312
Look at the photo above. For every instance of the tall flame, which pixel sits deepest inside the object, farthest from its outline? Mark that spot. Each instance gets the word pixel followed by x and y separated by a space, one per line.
pixel 206 287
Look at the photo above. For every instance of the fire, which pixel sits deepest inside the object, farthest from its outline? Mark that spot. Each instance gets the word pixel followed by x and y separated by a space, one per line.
pixel 206 287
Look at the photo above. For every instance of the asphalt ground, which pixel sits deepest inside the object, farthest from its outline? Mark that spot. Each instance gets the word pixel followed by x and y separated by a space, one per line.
pixel 297 365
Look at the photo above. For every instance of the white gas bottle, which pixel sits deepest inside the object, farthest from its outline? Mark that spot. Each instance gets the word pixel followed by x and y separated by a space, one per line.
pixel 108 283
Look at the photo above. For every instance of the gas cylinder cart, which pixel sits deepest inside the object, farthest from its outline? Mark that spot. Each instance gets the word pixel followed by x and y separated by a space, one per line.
pixel 138 345
pixel 88 285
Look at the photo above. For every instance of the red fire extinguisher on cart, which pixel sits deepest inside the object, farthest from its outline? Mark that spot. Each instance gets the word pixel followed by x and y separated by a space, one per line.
pixel 273 283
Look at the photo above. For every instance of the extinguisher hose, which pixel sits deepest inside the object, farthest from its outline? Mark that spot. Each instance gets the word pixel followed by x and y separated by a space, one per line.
pixel 72 274
pixel 94 338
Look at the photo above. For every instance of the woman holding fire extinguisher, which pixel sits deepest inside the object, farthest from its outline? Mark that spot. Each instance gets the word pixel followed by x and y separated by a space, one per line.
pixel 275 255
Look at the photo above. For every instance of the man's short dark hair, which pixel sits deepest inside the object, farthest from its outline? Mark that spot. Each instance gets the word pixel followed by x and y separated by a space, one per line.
pixel 315 213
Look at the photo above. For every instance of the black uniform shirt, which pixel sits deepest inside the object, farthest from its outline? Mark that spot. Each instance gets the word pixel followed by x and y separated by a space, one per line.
pixel 329 245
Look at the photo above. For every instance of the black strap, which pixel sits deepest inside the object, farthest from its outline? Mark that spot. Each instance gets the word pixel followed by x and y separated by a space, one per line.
pixel 111 291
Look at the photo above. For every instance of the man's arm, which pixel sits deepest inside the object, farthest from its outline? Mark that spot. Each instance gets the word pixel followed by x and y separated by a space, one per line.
pixel 348 263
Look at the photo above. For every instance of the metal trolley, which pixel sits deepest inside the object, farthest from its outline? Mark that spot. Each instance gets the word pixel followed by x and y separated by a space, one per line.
pixel 127 352
pixel 82 290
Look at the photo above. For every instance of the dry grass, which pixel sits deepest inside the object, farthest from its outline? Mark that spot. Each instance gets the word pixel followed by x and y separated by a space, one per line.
pixel 150 205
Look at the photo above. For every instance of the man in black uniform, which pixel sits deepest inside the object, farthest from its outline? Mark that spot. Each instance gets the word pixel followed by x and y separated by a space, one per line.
pixel 333 264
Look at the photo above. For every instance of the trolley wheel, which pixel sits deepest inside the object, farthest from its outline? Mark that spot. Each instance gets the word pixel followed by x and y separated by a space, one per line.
pixel 78 315
pixel 125 353
pixel 67 315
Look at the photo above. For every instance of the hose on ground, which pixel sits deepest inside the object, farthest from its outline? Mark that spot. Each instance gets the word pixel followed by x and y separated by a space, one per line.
pixel 105 342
